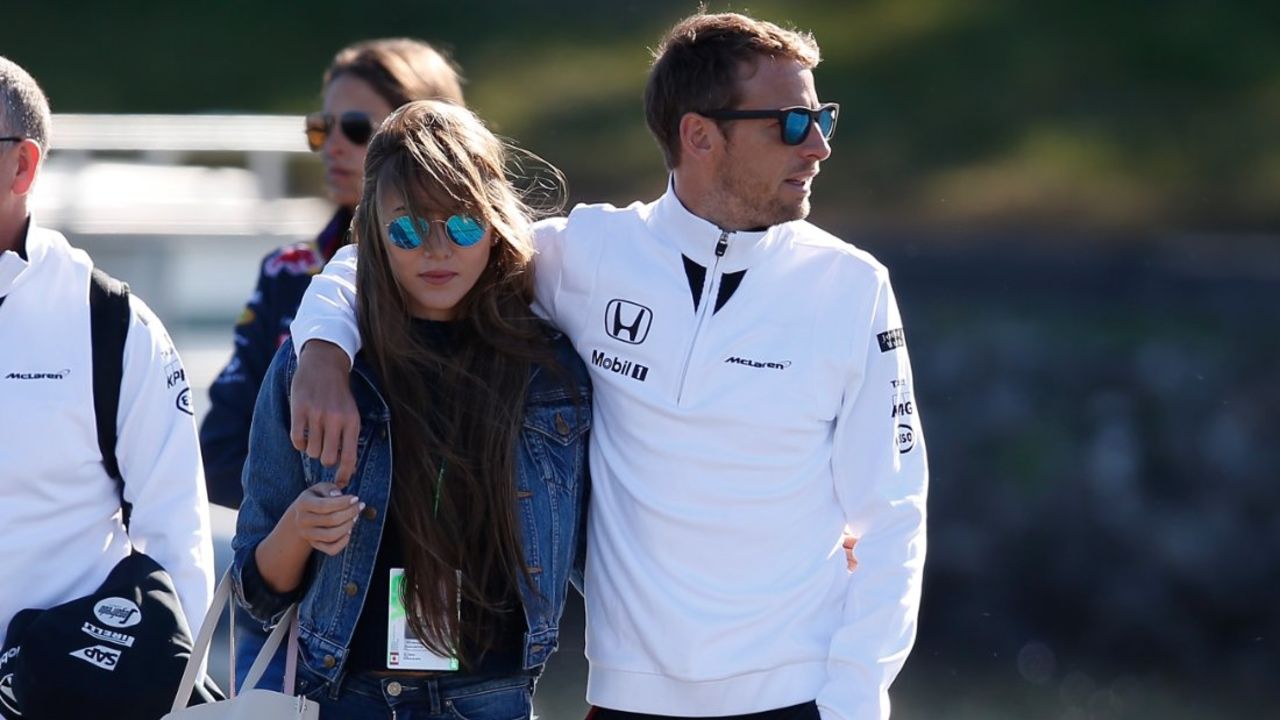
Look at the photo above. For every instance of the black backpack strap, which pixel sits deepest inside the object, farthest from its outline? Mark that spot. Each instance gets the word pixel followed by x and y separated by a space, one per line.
pixel 109 317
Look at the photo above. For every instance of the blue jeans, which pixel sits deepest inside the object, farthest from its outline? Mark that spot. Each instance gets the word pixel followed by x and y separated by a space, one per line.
pixel 443 697
pixel 250 637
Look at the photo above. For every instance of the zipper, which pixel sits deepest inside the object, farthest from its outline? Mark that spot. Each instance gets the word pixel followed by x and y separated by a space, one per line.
pixel 722 246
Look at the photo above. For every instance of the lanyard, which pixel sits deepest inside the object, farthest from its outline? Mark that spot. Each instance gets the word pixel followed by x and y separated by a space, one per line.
pixel 435 512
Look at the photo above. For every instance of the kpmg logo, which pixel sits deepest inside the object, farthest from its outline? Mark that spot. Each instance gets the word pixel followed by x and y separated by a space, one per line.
pixel 627 321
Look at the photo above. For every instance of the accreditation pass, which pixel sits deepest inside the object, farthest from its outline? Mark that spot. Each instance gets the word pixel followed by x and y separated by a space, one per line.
pixel 404 650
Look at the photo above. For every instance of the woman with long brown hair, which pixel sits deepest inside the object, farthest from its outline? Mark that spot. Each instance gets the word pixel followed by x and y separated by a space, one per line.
pixel 362 85
pixel 432 584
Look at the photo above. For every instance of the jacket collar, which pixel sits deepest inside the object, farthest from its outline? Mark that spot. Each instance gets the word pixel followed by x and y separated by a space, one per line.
pixel 697 238
pixel 13 268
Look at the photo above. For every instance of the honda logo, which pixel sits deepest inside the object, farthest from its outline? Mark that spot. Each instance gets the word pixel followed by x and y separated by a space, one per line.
pixel 627 321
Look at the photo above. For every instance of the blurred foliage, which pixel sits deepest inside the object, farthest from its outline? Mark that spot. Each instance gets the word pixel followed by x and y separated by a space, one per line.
pixel 1131 118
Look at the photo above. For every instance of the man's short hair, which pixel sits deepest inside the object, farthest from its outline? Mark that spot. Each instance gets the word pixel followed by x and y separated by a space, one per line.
pixel 699 63
pixel 24 110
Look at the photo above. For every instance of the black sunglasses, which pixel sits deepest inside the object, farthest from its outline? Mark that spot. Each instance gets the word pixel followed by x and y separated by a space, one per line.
pixel 794 121
pixel 12 138
pixel 356 125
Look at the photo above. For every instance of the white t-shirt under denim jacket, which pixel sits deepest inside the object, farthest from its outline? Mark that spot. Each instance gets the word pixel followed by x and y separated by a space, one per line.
pixel 60 525
pixel 753 395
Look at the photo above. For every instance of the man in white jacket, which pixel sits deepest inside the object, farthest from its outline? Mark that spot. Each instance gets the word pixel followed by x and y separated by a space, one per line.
pixel 61 523
pixel 753 396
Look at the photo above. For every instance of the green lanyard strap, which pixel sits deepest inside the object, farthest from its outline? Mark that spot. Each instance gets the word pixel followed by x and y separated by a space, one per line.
pixel 435 512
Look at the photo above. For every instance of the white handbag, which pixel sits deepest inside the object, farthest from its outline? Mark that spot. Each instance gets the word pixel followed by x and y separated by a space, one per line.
pixel 252 703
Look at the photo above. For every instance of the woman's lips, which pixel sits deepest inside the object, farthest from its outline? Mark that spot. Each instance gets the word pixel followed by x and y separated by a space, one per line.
pixel 437 277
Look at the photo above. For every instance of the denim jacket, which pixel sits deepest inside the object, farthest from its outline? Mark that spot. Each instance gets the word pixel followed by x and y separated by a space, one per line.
pixel 551 489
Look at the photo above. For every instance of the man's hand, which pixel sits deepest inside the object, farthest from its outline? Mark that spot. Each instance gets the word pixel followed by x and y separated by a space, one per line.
pixel 323 517
pixel 325 421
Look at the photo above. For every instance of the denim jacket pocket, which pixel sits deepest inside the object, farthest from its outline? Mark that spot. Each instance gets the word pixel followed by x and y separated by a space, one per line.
pixel 554 438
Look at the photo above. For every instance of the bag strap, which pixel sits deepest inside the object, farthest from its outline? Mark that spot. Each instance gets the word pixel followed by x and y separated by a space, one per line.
pixel 109 317
pixel 288 624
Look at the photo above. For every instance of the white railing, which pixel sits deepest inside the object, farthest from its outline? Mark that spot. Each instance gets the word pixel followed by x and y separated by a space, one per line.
pixel 182 206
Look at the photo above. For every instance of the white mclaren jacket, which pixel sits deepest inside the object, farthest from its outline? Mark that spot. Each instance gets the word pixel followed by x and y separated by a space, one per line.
pixel 753 396
pixel 60 527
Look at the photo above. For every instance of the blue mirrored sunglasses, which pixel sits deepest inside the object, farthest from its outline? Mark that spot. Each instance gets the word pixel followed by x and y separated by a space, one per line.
pixel 463 230
pixel 794 121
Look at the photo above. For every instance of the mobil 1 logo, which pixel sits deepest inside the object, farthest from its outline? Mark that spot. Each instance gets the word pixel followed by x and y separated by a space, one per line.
pixel 619 366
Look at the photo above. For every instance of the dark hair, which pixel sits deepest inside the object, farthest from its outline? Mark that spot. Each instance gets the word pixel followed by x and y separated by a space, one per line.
pixel 456 416
pixel 399 70
pixel 698 64
pixel 24 110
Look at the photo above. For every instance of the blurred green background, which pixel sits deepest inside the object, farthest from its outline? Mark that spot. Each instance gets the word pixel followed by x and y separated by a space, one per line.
pixel 1128 117
pixel 1080 203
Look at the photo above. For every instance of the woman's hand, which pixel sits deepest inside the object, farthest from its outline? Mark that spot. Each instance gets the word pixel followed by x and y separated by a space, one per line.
pixel 324 518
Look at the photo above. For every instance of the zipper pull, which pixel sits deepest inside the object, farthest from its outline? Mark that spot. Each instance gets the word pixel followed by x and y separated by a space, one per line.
pixel 722 245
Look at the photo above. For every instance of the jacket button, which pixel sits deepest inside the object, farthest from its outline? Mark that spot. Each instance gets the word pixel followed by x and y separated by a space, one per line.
pixel 536 648
pixel 561 426
pixel 394 688
pixel 330 661
pixel 370 512
pixel 351 589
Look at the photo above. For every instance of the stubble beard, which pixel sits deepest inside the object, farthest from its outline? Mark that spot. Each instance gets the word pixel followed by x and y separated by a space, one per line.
pixel 747 205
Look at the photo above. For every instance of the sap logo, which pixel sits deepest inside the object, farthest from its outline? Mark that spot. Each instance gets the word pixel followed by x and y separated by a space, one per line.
pixel 183 401
pixel 117 612
pixel 100 655
pixel 619 366
pixel 627 321
pixel 109 635
pixel 906 438
pixel 903 408
pixel 60 375
pixel 735 360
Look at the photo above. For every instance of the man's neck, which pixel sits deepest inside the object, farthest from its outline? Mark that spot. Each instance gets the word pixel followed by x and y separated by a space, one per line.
pixel 693 196
pixel 13 235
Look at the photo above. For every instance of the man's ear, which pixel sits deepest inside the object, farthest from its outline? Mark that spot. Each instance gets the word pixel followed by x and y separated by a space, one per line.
pixel 699 135
pixel 28 166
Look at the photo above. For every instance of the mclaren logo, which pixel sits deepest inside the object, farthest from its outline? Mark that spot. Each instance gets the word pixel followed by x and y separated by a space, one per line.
pixel 627 321
pixel 748 362
pixel 59 375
